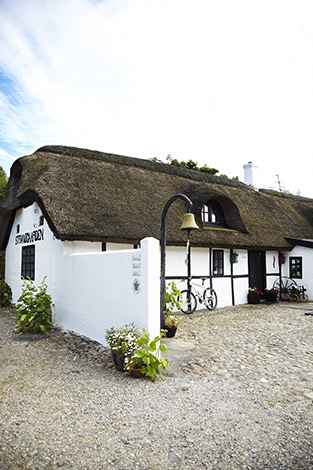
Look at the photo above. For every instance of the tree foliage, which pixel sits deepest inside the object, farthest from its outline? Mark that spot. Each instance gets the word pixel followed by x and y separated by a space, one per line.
pixel 3 182
pixel 189 165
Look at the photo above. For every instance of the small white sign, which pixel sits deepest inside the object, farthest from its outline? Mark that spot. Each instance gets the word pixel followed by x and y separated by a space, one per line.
pixel 136 265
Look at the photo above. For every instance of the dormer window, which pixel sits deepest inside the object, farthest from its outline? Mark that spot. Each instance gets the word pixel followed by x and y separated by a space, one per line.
pixel 212 215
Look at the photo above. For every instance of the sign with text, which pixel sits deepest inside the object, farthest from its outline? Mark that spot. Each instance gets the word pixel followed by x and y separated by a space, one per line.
pixel 30 237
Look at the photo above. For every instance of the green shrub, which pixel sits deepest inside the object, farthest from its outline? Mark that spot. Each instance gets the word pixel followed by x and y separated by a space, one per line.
pixel 5 294
pixel 173 298
pixel 34 308
pixel 122 339
pixel 147 355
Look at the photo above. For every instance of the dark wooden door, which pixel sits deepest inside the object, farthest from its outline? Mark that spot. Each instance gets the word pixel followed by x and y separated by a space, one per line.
pixel 256 263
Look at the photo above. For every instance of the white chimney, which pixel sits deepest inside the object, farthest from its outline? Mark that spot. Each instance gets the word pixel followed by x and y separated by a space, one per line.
pixel 248 173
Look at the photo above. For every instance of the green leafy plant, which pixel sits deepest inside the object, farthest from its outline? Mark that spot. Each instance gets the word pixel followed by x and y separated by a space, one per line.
pixel 5 294
pixel 147 355
pixel 171 320
pixel 173 301
pixel 34 307
pixel 122 339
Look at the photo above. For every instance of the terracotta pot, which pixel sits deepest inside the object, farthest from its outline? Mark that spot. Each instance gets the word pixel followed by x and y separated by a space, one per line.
pixel 136 373
pixel 118 360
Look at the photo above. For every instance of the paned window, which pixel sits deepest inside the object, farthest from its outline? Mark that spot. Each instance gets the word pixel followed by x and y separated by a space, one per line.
pixel 218 262
pixel 28 262
pixel 296 267
pixel 212 214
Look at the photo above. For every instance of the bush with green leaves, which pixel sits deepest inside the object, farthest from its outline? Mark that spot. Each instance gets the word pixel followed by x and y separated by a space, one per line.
pixel 34 308
pixel 5 294
pixel 173 301
pixel 147 355
pixel 122 339
pixel 173 298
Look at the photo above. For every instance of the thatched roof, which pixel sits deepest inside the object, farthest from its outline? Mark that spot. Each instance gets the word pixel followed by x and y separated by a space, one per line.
pixel 89 195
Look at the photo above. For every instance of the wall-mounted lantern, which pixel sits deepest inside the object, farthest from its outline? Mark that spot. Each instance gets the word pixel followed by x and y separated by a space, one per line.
pixel 234 258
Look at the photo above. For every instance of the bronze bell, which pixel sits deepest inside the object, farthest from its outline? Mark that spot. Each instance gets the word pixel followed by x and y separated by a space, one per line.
pixel 189 222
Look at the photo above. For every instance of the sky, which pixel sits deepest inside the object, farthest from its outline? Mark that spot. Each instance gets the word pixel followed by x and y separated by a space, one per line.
pixel 221 82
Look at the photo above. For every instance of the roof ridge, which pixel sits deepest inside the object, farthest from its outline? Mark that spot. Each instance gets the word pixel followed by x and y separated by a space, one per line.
pixel 272 192
pixel 141 163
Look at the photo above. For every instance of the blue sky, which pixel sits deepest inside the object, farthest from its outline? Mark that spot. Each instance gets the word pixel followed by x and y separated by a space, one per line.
pixel 222 82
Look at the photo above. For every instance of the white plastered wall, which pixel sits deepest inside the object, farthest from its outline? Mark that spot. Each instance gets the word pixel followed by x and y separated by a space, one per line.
pixel 90 289
pixel 272 268
pixel 307 267
pixel 200 266
pixel 241 284
pixel 96 290
pixel 48 250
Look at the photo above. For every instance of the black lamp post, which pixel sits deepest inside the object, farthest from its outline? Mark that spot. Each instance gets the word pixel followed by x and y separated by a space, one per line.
pixel 188 224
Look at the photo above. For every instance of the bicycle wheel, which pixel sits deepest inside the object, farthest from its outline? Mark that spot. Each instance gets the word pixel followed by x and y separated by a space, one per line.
pixel 304 297
pixel 210 298
pixel 294 298
pixel 189 302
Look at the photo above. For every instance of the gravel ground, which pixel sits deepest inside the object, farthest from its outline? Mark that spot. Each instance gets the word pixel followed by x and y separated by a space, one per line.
pixel 239 396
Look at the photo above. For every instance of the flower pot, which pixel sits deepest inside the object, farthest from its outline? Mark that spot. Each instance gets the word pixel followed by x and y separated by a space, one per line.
pixel 253 298
pixel 118 360
pixel 170 331
pixel 271 296
pixel 136 373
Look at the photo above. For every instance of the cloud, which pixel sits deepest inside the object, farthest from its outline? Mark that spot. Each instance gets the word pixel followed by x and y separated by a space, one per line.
pixel 219 82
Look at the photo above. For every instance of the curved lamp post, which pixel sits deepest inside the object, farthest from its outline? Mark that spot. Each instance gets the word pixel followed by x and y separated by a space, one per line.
pixel 188 224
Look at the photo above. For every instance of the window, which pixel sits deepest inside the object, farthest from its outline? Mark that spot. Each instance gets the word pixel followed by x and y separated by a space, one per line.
pixel 296 267
pixel 212 214
pixel 41 220
pixel 18 228
pixel 28 261
pixel 218 262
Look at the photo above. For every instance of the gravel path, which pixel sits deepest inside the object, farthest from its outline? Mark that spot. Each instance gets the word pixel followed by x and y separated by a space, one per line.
pixel 238 395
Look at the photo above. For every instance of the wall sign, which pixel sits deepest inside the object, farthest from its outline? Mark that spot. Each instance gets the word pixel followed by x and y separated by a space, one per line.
pixel 30 237
pixel 136 265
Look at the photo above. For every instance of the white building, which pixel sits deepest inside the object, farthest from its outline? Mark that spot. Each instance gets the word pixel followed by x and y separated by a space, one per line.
pixel 64 200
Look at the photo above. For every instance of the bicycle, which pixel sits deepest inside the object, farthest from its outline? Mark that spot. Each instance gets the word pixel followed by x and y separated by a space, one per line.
pixel 191 298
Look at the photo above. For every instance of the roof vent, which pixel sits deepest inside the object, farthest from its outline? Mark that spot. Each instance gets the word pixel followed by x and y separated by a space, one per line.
pixel 248 173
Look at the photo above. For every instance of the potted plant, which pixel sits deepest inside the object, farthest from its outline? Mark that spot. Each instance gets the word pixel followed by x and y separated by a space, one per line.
pixel 146 359
pixel 173 301
pixel 171 325
pixel 122 340
pixel 254 295
pixel 270 295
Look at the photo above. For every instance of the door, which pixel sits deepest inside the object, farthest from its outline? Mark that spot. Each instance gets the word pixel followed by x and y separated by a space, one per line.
pixel 256 263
